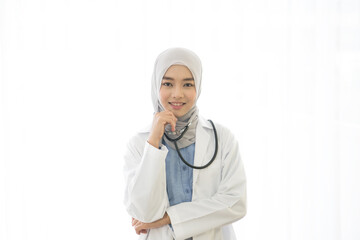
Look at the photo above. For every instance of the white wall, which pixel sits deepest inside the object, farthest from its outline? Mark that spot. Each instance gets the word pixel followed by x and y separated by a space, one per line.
pixel 75 84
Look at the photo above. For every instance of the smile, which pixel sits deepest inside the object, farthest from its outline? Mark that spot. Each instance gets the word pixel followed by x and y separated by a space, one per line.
pixel 176 105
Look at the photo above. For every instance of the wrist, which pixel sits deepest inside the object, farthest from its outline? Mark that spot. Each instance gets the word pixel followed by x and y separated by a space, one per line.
pixel 155 142
pixel 168 220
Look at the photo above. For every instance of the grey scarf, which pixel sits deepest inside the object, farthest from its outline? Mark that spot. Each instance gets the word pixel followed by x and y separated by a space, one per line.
pixel 189 137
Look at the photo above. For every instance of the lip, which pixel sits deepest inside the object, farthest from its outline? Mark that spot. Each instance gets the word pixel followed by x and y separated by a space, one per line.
pixel 176 107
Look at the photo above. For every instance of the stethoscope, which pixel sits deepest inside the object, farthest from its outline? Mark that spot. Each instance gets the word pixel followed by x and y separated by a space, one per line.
pixel 183 131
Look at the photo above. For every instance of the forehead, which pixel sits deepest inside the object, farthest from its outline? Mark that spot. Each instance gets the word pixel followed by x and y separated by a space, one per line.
pixel 179 70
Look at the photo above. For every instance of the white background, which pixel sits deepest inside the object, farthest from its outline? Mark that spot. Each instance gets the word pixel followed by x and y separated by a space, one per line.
pixel 284 76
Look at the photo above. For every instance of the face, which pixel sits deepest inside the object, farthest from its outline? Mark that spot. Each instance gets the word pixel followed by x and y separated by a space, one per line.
pixel 177 91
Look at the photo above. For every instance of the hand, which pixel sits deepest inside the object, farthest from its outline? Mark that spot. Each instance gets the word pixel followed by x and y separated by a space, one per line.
pixel 138 225
pixel 161 119
pixel 141 227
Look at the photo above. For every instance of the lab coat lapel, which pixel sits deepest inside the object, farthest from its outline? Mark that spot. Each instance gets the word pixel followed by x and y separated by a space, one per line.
pixel 201 146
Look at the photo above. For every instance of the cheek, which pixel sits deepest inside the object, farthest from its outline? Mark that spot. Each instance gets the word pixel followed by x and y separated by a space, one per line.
pixel 163 96
pixel 192 96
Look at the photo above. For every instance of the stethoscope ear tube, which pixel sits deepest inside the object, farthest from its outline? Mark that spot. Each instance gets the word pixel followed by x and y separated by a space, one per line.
pixel 181 157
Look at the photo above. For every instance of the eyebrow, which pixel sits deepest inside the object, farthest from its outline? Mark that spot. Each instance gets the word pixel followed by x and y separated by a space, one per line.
pixel 185 79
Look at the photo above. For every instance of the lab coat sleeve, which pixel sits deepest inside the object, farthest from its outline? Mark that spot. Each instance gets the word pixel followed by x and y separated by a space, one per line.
pixel 145 176
pixel 227 205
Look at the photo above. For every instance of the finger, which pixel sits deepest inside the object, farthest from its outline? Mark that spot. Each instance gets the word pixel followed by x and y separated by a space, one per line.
pixel 164 113
pixel 170 114
pixel 173 124
pixel 139 229
pixel 136 222
pixel 171 119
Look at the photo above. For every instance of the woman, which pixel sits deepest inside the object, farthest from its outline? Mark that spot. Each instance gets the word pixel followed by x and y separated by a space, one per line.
pixel 166 198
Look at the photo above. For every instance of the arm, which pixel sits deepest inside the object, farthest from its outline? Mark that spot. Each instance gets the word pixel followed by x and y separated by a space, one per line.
pixel 141 227
pixel 227 205
pixel 145 195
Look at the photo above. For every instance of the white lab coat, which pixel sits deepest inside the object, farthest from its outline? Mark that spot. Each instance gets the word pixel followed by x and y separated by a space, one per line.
pixel 219 191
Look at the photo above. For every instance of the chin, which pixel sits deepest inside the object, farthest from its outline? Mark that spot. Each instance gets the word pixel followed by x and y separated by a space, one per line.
pixel 178 114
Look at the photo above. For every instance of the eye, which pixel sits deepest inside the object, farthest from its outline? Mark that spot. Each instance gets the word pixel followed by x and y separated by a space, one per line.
pixel 188 85
pixel 167 84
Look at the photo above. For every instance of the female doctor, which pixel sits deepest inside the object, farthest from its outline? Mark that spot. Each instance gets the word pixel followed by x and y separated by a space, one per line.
pixel 166 197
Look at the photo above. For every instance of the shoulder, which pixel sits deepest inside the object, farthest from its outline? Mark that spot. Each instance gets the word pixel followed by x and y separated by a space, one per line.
pixel 138 136
pixel 138 139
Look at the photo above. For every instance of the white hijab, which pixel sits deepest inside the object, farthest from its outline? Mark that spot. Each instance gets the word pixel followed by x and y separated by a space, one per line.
pixel 178 56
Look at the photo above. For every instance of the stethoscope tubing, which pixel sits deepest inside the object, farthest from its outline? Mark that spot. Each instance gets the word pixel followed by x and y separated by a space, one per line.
pixel 182 158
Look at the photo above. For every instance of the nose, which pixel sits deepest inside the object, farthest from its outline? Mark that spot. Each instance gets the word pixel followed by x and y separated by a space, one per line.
pixel 177 92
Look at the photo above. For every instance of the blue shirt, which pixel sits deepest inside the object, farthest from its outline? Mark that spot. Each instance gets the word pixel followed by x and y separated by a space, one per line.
pixel 179 177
